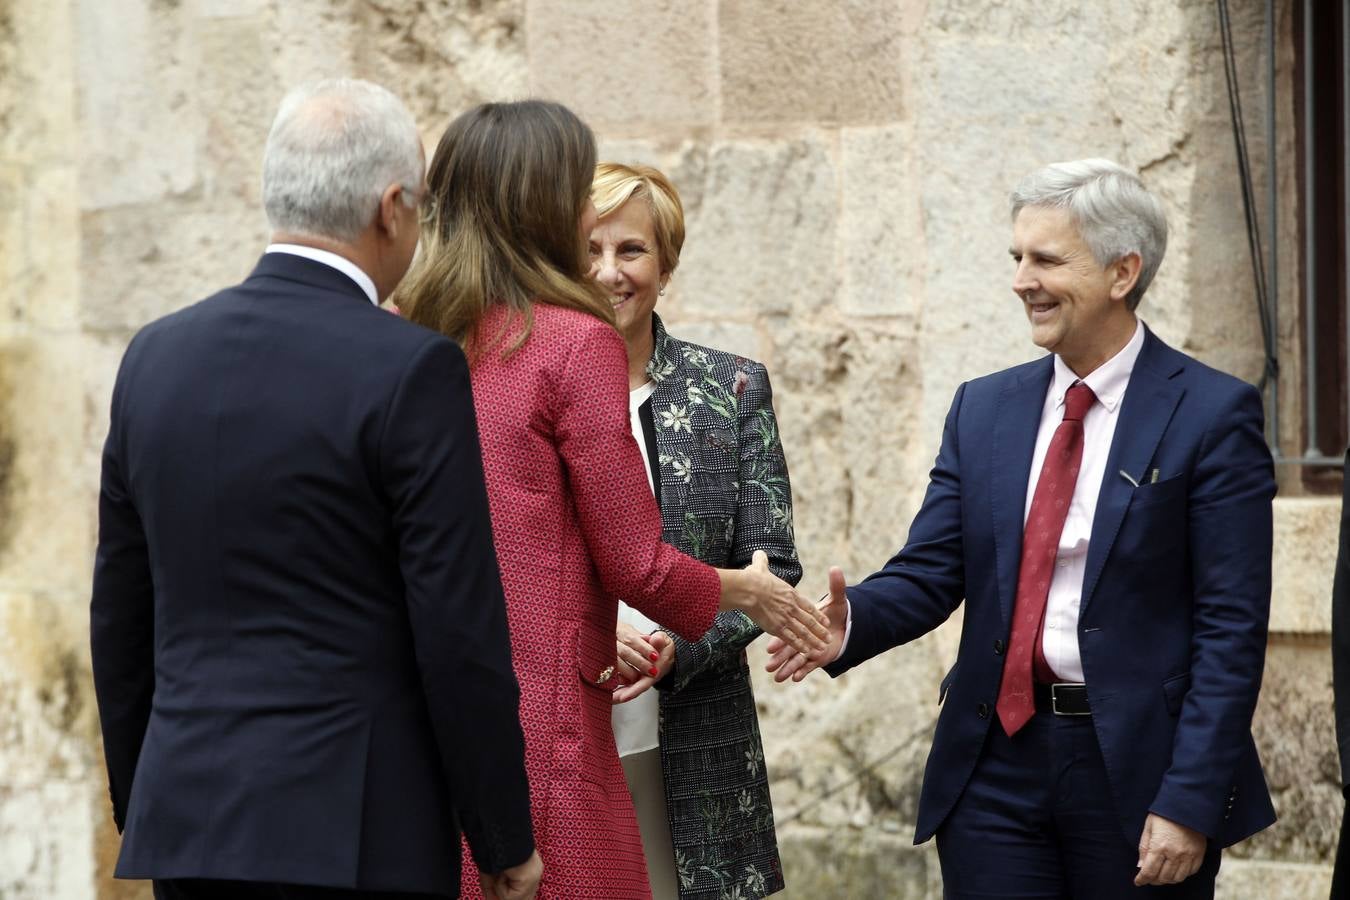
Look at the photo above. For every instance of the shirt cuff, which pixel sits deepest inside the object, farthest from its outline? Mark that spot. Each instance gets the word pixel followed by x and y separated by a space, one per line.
pixel 848 630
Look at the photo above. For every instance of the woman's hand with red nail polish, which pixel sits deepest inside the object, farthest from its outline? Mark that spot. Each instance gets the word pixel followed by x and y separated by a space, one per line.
pixel 665 661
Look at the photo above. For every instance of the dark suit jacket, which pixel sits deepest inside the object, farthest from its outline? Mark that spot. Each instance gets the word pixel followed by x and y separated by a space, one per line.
pixel 1172 627
pixel 299 637
pixel 724 495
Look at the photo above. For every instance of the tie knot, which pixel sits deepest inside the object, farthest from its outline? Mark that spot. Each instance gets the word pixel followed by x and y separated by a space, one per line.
pixel 1077 401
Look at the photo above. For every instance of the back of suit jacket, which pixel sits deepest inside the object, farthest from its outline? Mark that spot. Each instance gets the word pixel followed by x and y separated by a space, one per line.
pixel 299 635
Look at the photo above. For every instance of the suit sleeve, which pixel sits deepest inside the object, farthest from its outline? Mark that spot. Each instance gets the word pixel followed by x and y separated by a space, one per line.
pixel 1340 633
pixel 1230 540
pixel 619 518
pixel 920 587
pixel 121 620
pixel 431 466
pixel 763 522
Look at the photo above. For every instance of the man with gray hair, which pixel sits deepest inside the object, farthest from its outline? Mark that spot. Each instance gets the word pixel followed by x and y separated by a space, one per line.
pixel 299 636
pixel 1105 514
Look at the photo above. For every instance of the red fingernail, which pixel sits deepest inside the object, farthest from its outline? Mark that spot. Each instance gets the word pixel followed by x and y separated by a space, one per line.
pixel 651 672
pixel 654 657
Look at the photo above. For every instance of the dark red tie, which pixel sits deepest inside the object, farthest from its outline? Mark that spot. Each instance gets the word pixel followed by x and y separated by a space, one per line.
pixel 1040 544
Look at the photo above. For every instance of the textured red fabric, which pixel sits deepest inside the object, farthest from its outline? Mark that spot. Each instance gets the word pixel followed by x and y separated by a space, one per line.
pixel 1040 543
pixel 576 528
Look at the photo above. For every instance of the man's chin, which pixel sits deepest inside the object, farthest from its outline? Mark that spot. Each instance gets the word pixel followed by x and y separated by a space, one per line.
pixel 1044 337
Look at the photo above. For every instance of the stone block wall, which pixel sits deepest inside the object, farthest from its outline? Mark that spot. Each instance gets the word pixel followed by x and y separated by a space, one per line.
pixel 845 167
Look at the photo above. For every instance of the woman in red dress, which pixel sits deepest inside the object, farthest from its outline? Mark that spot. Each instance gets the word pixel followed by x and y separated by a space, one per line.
pixel 504 270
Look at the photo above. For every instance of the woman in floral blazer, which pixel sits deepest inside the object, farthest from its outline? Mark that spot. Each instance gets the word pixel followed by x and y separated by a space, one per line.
pixel 704 419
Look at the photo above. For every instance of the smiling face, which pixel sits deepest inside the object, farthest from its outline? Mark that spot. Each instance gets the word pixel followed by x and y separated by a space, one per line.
pixel 1076 306
pixel 626 262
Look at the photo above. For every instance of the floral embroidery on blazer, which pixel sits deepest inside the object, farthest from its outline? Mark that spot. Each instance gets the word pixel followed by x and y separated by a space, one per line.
pixel 724 495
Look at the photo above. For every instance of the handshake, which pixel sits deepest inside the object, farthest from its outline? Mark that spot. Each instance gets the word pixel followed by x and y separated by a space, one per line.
pixel 788 661
pixel 805 636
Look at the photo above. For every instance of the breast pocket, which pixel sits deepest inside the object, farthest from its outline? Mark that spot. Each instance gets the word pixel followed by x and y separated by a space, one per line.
pixel 1153 535
pixel 1148 495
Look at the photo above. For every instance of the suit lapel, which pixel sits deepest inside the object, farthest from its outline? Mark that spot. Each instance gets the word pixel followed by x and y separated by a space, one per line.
pixel 1150 400
pixel 1013 443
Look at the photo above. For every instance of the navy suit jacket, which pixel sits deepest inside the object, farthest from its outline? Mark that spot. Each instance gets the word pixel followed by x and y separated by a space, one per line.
pixel 299 635
pixel 1175 602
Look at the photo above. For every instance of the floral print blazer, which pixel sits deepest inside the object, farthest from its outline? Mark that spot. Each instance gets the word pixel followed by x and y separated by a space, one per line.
pixel 724 495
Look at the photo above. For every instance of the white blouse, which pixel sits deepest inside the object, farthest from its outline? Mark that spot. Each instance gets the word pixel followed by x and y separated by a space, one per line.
pixel 635 722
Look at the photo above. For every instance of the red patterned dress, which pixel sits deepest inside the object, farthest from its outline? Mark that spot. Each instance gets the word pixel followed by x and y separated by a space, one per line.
pixel 576 527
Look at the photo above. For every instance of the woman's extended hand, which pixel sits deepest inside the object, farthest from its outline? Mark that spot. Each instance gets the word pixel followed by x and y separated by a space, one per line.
pixel 775 606
pixel 660 644
pixel 785 662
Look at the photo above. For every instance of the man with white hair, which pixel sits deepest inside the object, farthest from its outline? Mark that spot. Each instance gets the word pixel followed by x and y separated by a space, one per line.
pixel 1105 513
pixel 299 636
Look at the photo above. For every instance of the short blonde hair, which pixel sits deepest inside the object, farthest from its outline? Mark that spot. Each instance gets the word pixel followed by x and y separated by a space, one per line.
pixel 615 184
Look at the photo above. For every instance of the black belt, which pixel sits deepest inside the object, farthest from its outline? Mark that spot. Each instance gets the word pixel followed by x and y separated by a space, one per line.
pixel 1062 699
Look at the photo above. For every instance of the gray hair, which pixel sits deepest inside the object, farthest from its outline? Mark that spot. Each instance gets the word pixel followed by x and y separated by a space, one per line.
pixel 1114 212
pixel 334 147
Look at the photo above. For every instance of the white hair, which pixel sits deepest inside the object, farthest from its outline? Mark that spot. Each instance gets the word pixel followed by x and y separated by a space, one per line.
pixel 1114 212
pixel 334 147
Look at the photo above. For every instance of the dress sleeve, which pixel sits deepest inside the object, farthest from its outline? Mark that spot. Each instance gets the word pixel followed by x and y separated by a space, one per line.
pixel 619 518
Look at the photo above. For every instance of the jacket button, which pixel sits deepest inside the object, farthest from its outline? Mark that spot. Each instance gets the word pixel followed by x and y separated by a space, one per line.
pixel 983 710
pixel 998 647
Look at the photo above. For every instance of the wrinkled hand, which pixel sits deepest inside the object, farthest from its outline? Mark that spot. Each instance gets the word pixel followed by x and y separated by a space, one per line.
pixel 665 659
pixel 1168 852
pixel 786 662
pixel 516 883
pixel 775 606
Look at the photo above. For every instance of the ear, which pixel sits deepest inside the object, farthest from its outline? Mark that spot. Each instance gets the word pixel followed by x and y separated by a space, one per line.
pixel 388 218
pixel 1124 274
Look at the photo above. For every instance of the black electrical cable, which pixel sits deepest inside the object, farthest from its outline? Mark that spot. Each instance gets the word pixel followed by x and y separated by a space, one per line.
pixel 1271 366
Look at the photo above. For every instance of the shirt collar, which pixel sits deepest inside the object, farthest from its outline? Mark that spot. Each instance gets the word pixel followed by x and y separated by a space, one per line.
pixel 341 263
pixel 1109 380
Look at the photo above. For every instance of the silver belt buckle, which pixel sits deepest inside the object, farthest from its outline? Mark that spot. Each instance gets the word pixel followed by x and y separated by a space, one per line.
pixel 1054 700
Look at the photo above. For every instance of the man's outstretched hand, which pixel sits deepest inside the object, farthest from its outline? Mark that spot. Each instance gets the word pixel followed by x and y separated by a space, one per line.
pixel 786 662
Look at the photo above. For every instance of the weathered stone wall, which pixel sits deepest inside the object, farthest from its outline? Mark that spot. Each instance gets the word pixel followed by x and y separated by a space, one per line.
pixel 844 166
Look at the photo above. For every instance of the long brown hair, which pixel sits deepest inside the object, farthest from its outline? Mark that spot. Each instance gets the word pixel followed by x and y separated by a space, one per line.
pixel 505 192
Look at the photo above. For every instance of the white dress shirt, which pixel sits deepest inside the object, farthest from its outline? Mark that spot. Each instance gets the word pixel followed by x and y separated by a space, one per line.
pixel 1108 381
pixel 636 722
pixel 341 263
